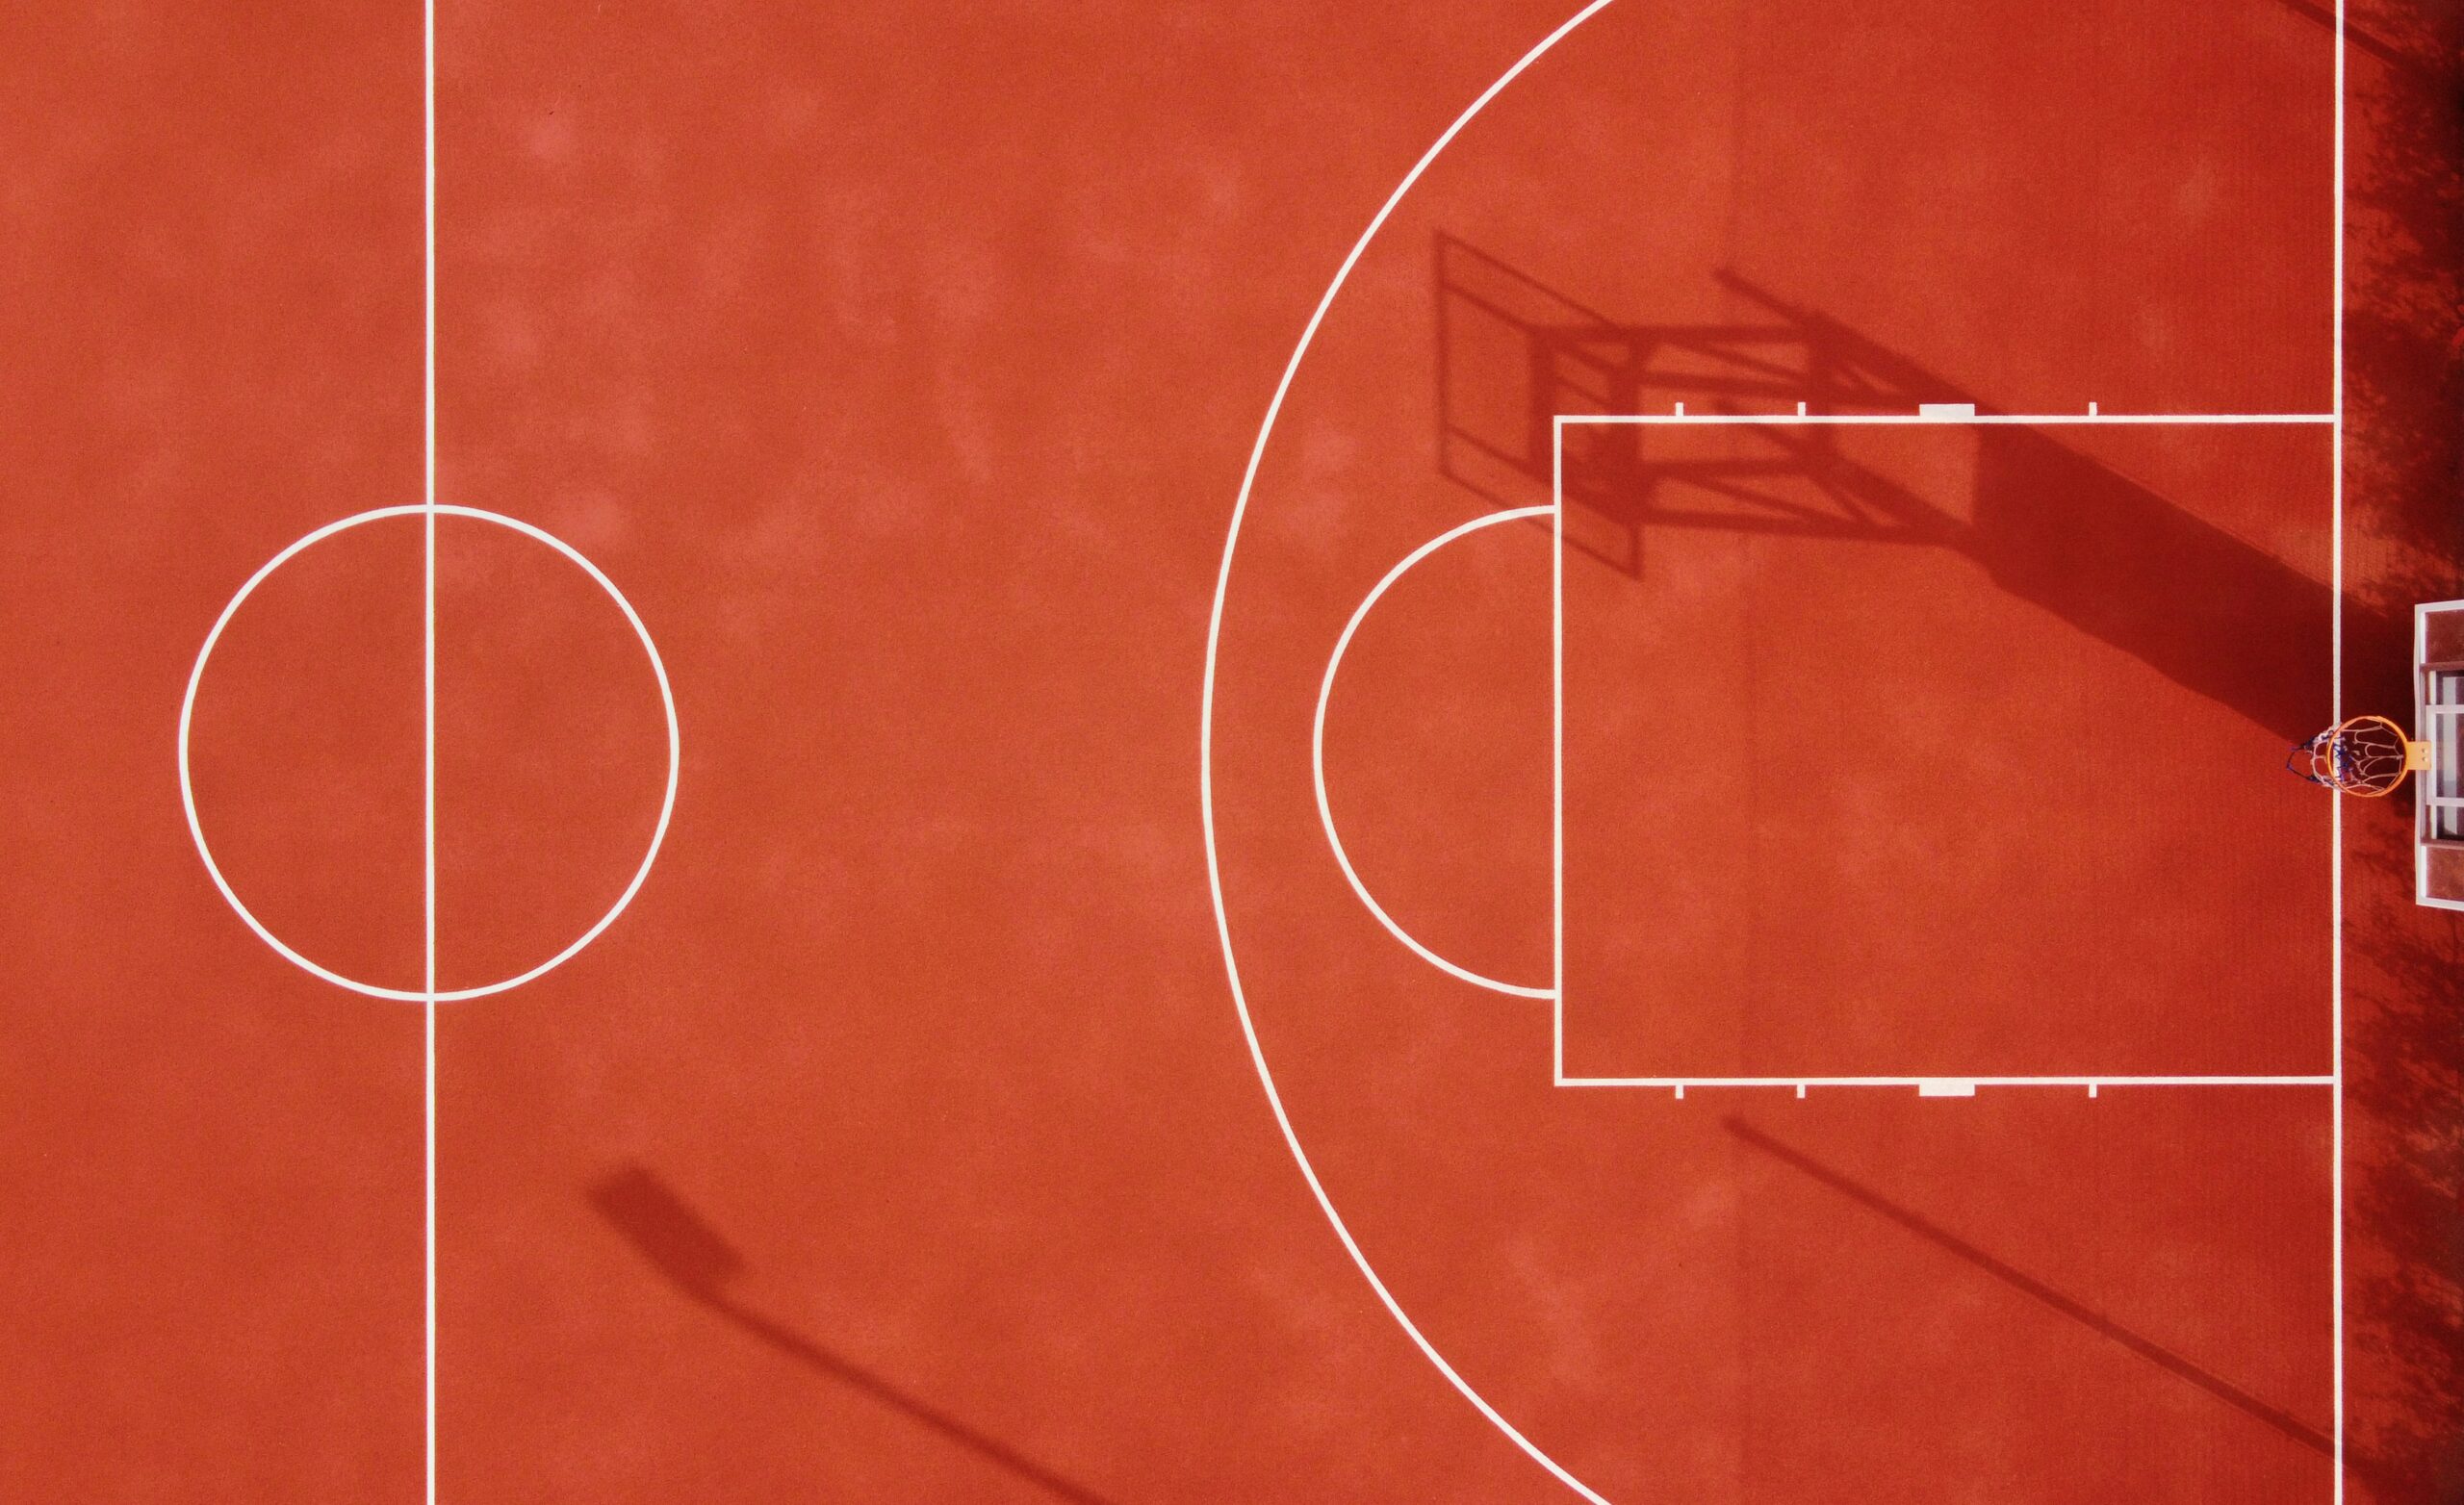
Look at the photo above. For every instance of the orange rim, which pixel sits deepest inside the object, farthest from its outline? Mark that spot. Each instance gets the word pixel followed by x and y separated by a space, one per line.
pixel 2325 748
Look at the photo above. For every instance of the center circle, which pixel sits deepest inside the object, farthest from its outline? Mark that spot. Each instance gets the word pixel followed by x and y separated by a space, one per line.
pixel 293 954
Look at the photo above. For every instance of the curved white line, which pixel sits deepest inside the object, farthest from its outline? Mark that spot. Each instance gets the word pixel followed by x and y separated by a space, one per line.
pixel 1206 768
pixel 659 833
pixel 1318 754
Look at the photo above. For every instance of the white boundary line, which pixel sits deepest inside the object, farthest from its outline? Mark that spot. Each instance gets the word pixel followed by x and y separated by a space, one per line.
pixel 1920 419
pixel 2091 420
pixel 2336 817
pixel 2091 1083
pixel 1206 767
pixel 427 720
pixel 1318 750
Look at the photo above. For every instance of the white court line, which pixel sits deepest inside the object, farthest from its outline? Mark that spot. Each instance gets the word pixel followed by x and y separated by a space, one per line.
pixel 427 524
pixel 2090 419
pixel 1556 752
pixel 1318 750
pixel 1665 1083
pixel 2336 818
pixel 1206 769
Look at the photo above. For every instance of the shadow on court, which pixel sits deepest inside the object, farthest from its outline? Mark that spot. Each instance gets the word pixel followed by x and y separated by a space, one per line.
pixel 2129 567
pixel 698 1262
pixel 2052 526
pixel 2406 1184
pixel 2362 39
pixel 2405 977
pixel 2097 1323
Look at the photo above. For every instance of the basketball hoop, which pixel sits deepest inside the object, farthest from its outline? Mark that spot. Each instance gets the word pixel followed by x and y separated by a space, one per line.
pixel 2367 755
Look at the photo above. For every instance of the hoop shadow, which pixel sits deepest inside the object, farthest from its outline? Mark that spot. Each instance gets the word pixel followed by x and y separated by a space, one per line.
pixel 2053 525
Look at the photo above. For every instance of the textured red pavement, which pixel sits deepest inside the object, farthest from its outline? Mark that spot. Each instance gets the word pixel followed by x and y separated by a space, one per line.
pixel 900 1143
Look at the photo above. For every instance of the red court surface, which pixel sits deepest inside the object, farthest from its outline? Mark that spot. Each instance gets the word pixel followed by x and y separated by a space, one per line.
pixel 995 1088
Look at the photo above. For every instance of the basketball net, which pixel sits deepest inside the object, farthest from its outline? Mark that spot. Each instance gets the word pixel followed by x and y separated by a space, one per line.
pixel 2367 755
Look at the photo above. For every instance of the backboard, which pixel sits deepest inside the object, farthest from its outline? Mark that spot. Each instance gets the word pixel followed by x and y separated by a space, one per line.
pixel 2438 719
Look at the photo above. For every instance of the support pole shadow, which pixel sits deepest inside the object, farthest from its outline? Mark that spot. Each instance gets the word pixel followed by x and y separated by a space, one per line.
pixel 694 1258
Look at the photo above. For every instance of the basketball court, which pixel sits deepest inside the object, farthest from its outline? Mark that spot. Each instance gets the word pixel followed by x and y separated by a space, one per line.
pixel 621 614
